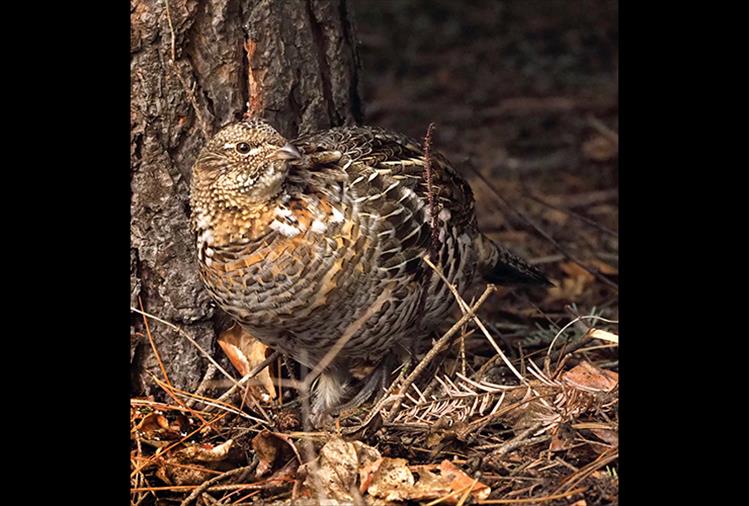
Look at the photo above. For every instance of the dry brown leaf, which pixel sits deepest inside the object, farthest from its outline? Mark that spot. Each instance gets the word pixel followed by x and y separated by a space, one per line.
pixel 336 470
pixel 205 452
pixel 341 464
pixel 575 270
pixel 392 481
pixel 581 502
pixel 555 216
pixel 562 438
pixel 607 435
pixel 194 464
pixel 600 148
pixel 152 422
pixel 269 446
pixel 245 353
pixel 573 286
pixel 439 481
pixel 156 427
pixel 589 378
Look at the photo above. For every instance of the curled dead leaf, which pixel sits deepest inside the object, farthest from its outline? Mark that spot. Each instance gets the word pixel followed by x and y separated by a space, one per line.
pixel 392 480
pixel 589 378
pixel 600 148
pixel 573 286
pixel 607 435
pixel 206 452
pixel 341 464
pixel 194 463
pixel 336 470
pixel 272 448
pixel 245 353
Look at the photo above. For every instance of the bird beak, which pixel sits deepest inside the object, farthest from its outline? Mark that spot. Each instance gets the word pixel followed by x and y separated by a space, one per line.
pixel 288 152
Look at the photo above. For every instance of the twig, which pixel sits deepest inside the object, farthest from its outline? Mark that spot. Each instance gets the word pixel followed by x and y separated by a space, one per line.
pixel 167 448
pixel 191 340
pixel 167 386
pixel 204 385
pixel 477 321
pixel 437 348
pixel 386 398
pixel 467 489
pixel 534 499
pixel 254 372
pixel 517 442
pixel 574 214
pixel 547 360
pixel 173 391
pixel 603 459
pixel 152 342
pixel 207 484
pixel 430 190
pixel 545 234
pixel 603 129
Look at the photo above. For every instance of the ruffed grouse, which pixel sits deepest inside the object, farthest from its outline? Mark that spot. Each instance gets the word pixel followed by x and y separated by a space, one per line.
pixel 297 240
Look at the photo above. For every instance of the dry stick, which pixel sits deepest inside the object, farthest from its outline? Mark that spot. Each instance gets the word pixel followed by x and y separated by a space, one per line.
pixel 386 398
pixel 534 499
pixel 152 342
pixel 604 459
pixel 569 212
pixel 477 321
pixel 247 377
pixel 212 402
pixel 169 447
pixel 430 191
pixel 207 484
pixel 437 348
pixel 210 373
pixel 467 489
pixel 603 129
pixel 545 235
pixel 191 340
pixel 168 388
pixel 162 406
pixel 547 359
pixel 517 442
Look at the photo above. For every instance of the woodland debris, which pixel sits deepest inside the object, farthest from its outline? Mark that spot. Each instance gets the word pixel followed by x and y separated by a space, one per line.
pixel 245 353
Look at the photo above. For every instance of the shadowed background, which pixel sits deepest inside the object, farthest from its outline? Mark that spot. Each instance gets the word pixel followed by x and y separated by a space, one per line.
pixel 526 93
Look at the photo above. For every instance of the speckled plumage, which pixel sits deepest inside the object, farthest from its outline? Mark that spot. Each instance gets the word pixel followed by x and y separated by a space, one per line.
pixel 296 245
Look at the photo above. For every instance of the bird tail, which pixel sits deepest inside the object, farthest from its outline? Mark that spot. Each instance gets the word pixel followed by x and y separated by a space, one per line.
pixel 498 265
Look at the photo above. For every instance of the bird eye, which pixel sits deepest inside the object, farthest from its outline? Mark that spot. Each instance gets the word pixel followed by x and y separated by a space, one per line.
pixel 243 148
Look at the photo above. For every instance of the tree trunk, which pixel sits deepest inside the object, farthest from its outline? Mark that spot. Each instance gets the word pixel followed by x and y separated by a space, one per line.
pixel 195 66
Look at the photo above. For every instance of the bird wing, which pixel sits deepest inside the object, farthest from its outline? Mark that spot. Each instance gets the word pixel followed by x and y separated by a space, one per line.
pixel 385 173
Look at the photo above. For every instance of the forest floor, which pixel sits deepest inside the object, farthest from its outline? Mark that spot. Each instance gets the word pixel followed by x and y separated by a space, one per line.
pixel 525 104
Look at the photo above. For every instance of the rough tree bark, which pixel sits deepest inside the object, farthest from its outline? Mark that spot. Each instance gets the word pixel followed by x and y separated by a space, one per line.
pixel 195 66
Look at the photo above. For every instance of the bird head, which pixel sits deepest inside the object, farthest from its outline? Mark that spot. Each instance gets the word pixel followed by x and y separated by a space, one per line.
pixel 244 163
